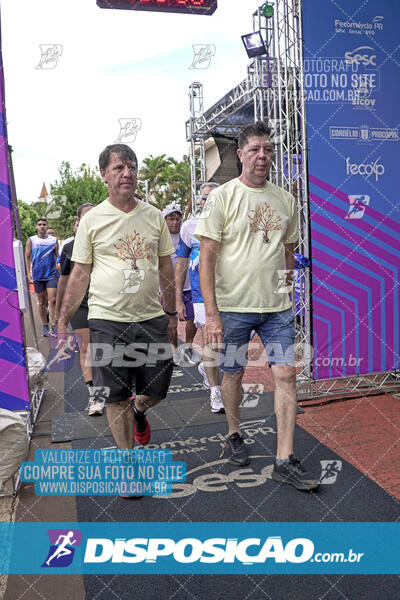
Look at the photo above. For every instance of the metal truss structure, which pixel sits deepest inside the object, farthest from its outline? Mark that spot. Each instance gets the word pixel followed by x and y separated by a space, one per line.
pixel 273 91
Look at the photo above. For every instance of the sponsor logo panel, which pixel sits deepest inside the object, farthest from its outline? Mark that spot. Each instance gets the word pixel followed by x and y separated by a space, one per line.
pixel 366 170
pixel 347 79
pixel 357 27
pixel 364 133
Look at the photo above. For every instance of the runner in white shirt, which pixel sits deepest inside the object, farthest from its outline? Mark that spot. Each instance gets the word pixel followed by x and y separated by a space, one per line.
pixel 189 252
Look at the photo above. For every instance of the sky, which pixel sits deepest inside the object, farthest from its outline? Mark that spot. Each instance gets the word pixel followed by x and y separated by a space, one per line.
pixel 111 65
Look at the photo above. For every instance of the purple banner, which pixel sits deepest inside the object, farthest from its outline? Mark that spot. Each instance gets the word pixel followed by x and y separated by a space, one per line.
pixel 14 394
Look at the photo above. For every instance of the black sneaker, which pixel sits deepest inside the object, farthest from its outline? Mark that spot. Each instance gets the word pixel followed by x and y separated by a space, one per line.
pixel 141 426
pixel 236 450
pixel 294 473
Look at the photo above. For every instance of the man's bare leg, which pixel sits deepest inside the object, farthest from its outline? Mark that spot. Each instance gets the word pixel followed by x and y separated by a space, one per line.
pixel 120 420
pixel 42 306
pixel 211 372
pixel 231 390
pixel 285 408
pixel 143 402
pixel 190 332
pixel 209 358
pixel 51 295
pixel 142 430
pixel 285 470
pixel 83 338
pixel 174 341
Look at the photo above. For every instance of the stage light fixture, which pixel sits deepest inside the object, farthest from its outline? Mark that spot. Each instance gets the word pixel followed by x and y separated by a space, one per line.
pixel 254 44
pixel 268 10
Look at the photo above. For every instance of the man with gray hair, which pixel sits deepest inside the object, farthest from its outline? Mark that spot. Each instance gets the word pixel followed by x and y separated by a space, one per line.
pixel 189 248
pixel 123 249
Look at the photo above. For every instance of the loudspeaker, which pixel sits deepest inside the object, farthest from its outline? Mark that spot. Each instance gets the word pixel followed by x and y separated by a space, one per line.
pixel 222 161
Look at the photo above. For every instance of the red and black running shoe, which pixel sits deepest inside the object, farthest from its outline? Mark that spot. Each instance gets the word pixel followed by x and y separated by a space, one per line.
pixel 141 427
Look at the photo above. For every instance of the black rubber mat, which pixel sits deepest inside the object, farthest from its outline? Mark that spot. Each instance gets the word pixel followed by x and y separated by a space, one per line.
pixel 77 426
pixel 187 403
pixel 242 587
pixel 217 491
pixel 223 497
pixel 353 497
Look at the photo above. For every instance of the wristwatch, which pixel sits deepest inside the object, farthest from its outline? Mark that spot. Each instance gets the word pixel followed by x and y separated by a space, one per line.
pixel 172 313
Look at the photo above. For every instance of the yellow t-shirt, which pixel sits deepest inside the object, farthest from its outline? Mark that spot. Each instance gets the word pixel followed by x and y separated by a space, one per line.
pixel 252 225
pixel 124 250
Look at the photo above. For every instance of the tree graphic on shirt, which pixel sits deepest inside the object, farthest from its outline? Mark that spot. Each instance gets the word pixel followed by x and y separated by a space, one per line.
pixel 131 248
pixel 264 219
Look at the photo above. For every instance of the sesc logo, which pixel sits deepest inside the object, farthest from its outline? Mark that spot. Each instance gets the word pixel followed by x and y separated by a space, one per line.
pixel 361 55
pixel 191 550
pixel 365 169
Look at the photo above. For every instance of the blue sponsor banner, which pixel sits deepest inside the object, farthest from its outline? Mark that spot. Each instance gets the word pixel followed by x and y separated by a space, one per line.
pixel 351 75
pixel 200 548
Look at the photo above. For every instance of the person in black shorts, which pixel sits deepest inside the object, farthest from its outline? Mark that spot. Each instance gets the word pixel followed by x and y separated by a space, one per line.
pixel 123 248
pixel 41 250
pixel 79 321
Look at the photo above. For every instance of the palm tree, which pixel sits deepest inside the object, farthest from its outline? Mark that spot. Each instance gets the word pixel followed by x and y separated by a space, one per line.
pixel 152 170
pixel 179 180
pixel 168 180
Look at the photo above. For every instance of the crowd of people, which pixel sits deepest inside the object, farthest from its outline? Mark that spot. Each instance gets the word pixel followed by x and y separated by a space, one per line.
pixel 132 271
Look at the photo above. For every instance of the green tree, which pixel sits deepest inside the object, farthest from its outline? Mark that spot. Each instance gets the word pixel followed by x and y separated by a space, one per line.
pixel 27 218
pixel 168 180
pixel 75 187
pixel 179 183
pixel 153 171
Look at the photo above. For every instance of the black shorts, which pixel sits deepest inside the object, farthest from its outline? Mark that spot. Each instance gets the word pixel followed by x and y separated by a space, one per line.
pixel 41 285
pixel 80 319
pixel 131 358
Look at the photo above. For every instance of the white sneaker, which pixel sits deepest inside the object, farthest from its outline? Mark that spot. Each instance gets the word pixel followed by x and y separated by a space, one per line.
pixel 176 357
pixel 216 401
pixel 188 356
pixel 95 407
pixel 202 371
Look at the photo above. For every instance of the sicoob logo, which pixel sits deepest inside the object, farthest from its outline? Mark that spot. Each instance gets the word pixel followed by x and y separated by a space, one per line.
pixel 62 547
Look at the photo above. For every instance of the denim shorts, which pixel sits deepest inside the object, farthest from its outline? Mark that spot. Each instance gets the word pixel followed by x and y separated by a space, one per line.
pixel 276 331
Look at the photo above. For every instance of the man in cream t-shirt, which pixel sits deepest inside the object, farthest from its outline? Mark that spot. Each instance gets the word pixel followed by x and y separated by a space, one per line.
pixel 123 248
pixel 247 230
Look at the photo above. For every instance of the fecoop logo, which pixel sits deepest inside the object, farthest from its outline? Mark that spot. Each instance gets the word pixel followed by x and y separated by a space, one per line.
pixel 191 550
pixel 365 169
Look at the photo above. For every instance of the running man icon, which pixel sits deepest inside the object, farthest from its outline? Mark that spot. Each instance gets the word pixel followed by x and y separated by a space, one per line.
pixel 61 551
pixel 329 471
